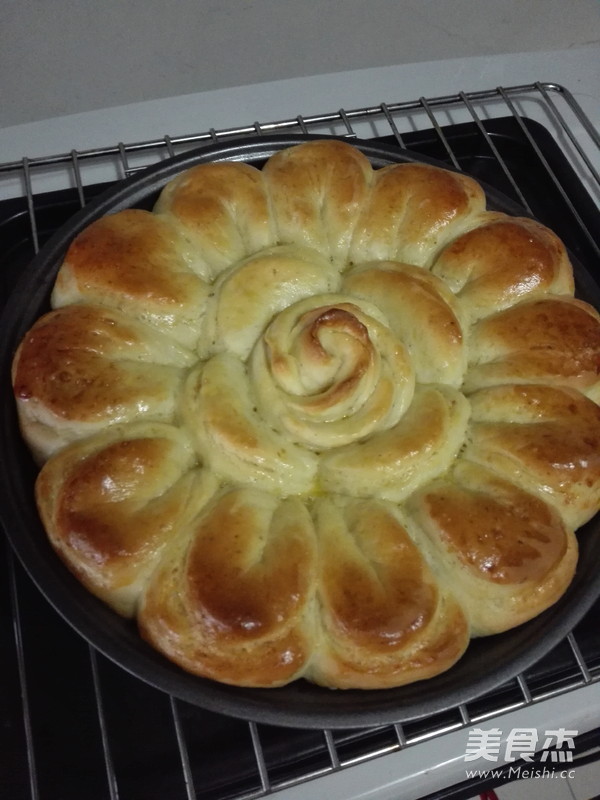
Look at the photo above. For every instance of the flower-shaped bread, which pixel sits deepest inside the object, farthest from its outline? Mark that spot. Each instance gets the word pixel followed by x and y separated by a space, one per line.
pixel 316 420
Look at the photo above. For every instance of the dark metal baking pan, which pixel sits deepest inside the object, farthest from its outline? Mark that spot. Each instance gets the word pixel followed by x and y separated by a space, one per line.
pixel 487 663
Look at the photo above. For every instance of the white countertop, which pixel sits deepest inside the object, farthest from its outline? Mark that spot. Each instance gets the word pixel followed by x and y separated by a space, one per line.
pixel 428 767
pixel 67 56
pixel 578 69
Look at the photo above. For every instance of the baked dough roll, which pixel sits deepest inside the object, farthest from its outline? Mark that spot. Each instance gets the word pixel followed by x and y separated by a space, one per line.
pixel 223 212
pixel 506 553
pixel 328 420
pixel 502 262
pixel 113 502
pixel 246 297
pixel 554 340
pixel 83 367
pixel 316 192
pixel 219 410
pixel 394 463
pixel 138 263
pixel 235 599
pixel 546 439
pixel 411 211
pixel 386 619
pixel 329 371
pixel 421 311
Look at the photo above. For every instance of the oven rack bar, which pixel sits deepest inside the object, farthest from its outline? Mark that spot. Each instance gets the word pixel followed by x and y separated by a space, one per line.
pixel 305 123
pixel 561 113
pixel 338 750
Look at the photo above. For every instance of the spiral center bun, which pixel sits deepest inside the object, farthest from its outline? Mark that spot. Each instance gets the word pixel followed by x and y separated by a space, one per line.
pixel 316 420
pixel 329 372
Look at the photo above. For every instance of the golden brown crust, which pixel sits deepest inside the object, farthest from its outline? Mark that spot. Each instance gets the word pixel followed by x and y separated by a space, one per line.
pixel 412 211
pixel 316 193
pixel 136 262
pixel 507 554
pixel 222 210
pixel 316 420
pixel 111 504
pixel 386 620
pixel 503 261
pixel 234 602
pixel 83 367
pixel 546 439
pixel 552 340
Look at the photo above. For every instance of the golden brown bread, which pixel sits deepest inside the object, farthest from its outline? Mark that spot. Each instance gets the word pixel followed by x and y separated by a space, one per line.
pixel 83 367
pixel 385 618
pixel 506 554
pixel 234 600
pixel 113 502
pixel 554 340
pixel 503 261
pixel 329 372
pixel 546 438
pixel 421 311
pixel 316 420
pixel 139 263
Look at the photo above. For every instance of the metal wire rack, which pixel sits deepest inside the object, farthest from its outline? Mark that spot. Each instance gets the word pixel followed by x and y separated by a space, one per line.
pixel 80 726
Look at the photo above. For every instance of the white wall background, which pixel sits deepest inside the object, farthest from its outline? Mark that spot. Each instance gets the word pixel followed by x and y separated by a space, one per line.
pixel 64 56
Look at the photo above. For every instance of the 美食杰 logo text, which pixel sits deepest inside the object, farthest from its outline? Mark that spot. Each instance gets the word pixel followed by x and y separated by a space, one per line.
pixel 554 749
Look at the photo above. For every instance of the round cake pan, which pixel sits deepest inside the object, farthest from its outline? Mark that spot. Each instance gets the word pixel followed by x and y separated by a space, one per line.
pixel 487 663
